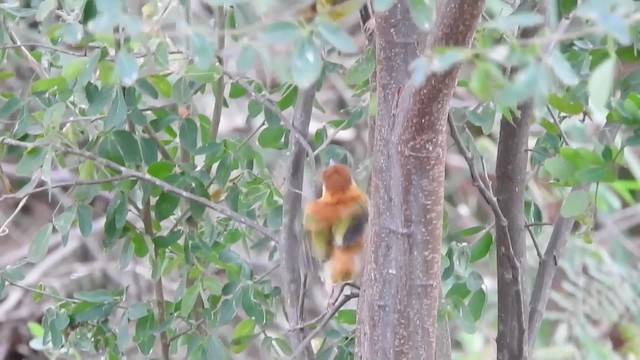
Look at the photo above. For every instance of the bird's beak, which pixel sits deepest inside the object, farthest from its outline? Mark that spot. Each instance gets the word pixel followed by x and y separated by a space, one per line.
pixel 331 162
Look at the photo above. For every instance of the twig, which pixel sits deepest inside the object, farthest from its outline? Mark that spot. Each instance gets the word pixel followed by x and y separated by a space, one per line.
pixel 3 229
pixel 185 331
pixel 533 239
pixel 149 179
pixel 345 299
pixel 501 221
pixel 555 121
pixel 266 102
pixel 64 184
pixel 218 86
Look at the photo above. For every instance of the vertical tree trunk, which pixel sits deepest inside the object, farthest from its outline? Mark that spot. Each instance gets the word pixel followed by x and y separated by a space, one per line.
pixel 401 286
pixel 511 174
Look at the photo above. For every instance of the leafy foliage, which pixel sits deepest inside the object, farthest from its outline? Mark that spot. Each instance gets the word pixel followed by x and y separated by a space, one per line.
pixel 115 99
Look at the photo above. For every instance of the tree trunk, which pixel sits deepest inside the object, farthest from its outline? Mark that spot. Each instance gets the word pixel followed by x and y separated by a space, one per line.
pixel 401 287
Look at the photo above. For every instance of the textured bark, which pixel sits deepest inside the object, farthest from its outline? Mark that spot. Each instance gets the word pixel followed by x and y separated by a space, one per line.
pixel 401 285
pixel 289 243
pixel 511 174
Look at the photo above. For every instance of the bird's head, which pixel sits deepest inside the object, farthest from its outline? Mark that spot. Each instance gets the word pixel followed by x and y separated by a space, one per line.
pixel 336 178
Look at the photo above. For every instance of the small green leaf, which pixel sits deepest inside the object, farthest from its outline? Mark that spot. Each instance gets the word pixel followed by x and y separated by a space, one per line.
pixel 306 64
pixel 335 36
pixel 468 231
pixel 474 281
pixel 476 303
pixel 48 84
pixel 280 32
pixel 382 5
pixel 161 84
pixel 271 137
pixel 242 335
pixel 422 13
pixel 563 69
pixel 247 58
pixel 9 107
pixel 202 50
pixel 63 221
pixel 565 105
pixel 348 316
pixel 189 299
pixel 95 296
pixel 597 173
pixel 362 69
pixel 165 206
pixel 601 85
pixel 161 169
pixel 128 146
pixel 576 204
pixel 189 135
pixel 127 68
pixel 513 21
pixel 480 248
pixel 40 243
pixel 31 160
pixel 74 68
pixel 117 113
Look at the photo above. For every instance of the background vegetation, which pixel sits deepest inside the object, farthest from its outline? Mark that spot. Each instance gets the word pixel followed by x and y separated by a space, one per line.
pixel 156 155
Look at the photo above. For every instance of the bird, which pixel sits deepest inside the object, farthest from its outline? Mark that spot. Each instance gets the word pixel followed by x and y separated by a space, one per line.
pixel 335 9
pixel 336 225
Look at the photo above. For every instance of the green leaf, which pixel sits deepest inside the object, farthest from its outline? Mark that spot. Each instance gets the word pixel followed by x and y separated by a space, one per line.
pixel 514 21
pixel 468 231
pixel 165 241
pixel 476 304
pixel 560 168
pixel 161 169
pixel 128 146
pixel 40 243
pixel 271 137
pixel 601 85
pixel 48 84
pixel 348 317
pixel 161 84
pixel 362 69
pixel 306 64
pixel 74 68
pixel 189 135
pixel 565 105
pixel 597 173
pixel 576 204
pixel 117 114
pixel 563 69
pixel 189 299
pixel 335 36
pixel 382 5
pixel 474 281
pixel 247 58
pixel 280 32
pixel 127 68
pixel 9 107
pixel 524 82
pixel 458 290
pixel 165 206
pixel 242 335
pixel 480 248
pixel 202 50
pixel 422 13
pixel 31 160
pixel 95 296
pixel 63 221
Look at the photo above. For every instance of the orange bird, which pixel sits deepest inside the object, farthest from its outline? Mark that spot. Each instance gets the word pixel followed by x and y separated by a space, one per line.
pixel 336 223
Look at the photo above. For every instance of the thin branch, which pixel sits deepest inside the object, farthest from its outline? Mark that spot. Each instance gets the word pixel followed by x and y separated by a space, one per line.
pixel 555 121
pixel 501 221
pixel 328 316
pixel 65 184
pixel 266 102
pixel 533 239
pixel 157 182
pixel 218 86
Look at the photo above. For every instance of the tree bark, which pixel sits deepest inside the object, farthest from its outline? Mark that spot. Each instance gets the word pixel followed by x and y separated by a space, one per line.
pixel 292 202
pixel 401 286
pixel 511 174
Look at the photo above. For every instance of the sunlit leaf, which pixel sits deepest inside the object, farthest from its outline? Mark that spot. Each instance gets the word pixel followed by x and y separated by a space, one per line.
pixel 306 64
pixel 575 204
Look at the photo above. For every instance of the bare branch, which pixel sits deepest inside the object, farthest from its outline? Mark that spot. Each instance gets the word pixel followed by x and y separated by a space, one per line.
pixel 325 320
